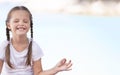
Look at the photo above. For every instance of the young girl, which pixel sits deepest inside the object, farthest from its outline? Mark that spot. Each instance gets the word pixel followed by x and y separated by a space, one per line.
pixel 20 54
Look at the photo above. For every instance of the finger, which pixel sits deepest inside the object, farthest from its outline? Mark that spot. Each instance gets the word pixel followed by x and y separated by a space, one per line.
pixel 68 63
pixel 68 69
pixel 63 61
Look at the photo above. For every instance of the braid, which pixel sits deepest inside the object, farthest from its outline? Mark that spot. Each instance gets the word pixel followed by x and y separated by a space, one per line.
pixel 29 54
pixel 7 52
pixel 31 29
pixel 7 34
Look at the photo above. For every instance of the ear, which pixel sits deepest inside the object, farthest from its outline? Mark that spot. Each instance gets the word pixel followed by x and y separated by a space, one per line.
pixel 8 25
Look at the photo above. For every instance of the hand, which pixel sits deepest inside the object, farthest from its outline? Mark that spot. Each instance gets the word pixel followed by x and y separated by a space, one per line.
pixel 63 65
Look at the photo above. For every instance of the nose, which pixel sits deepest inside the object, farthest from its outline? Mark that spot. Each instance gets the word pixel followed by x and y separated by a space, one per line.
pixel 21 23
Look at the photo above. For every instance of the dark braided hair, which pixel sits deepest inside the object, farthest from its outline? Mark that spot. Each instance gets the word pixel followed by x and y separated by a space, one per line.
pixel 7 52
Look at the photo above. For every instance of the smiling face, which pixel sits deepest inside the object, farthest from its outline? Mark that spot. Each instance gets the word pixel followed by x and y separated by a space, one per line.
pixel 19 22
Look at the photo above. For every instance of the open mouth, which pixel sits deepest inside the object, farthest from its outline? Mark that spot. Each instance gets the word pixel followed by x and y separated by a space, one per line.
pixel 21 28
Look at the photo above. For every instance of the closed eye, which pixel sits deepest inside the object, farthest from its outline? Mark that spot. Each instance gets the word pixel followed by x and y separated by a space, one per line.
pixel 16 21
pixel 25 21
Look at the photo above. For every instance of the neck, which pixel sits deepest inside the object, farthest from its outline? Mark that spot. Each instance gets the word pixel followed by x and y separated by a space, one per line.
pixel 20 43
pixel 20 40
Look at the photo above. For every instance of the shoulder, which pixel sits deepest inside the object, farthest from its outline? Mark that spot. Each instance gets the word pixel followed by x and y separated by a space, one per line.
pixel 3 44
pixel 34 44
pixel 37 51
pixel 2 49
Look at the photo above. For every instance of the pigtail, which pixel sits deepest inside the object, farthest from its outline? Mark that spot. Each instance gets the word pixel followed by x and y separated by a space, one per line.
pixel 31 25
pixel 7 52
pixel 29 54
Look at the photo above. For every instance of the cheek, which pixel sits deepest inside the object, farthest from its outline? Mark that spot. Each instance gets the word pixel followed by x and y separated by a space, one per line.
pixel 29 25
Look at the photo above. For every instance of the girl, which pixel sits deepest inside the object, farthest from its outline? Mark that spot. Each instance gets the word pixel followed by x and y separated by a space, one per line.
pixel 20 54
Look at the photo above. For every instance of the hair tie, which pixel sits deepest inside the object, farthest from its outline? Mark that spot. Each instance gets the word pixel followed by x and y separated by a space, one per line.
pixel 31 39
pixel 8 42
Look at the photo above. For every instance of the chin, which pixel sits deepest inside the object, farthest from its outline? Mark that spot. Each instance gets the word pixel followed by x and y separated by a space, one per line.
pixel 21 34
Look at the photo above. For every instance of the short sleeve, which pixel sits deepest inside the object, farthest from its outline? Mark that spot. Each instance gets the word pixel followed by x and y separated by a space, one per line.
pixel 2 49
pixel 37 52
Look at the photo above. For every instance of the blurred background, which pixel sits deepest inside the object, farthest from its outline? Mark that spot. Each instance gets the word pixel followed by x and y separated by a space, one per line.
pixel 85 31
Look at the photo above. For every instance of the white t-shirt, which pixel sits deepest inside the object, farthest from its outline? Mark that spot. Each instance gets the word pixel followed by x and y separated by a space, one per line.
pixel 18 59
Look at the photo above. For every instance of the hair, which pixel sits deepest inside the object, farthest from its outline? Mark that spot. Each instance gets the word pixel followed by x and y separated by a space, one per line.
pixel 7 52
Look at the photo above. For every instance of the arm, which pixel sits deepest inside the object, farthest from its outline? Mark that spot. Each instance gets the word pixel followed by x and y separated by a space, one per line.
pixel 1 65
pixel 61 66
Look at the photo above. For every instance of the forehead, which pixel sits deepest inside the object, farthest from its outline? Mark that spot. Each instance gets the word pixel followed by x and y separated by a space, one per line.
pixel 20 13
